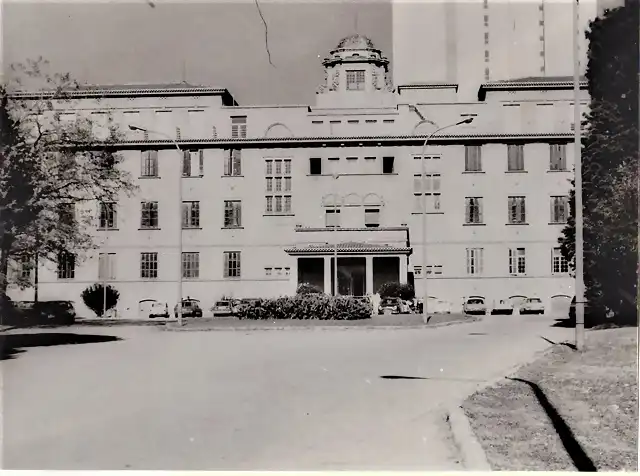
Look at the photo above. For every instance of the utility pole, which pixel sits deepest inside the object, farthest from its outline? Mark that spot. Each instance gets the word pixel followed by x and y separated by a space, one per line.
pixel 577 126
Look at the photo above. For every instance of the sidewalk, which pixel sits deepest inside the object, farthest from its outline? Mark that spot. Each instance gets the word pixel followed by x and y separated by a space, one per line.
pixel 567 410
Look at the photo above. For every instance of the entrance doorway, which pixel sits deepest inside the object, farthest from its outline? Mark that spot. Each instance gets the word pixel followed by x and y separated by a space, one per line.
pixel 351 276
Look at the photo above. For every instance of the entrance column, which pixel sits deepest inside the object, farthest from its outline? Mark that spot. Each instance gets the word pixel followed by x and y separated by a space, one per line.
pixel 327 275
pixel 403 269
pixel 368 272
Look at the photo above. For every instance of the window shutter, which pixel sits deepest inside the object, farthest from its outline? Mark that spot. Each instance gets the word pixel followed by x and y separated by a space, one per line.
pixel 227 163
pixel 237 162
pixel 201 161
pixel 186 163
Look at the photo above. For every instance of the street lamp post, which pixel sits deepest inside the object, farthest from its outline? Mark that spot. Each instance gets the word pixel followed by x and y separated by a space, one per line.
pixel 425 314
pixel 579 245
pixel 136 128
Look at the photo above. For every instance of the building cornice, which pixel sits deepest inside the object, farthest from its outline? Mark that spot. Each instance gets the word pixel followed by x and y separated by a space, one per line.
pixel 526 86
pixel 357 141
pixel 428 86
pixel 332 230
pixel 346 249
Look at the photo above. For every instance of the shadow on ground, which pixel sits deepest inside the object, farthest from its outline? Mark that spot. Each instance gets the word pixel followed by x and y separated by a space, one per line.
pixel 580 459
pixel 13 344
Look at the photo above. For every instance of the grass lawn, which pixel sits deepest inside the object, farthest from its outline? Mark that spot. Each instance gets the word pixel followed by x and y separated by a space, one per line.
pixel 594 391
pixel 400 320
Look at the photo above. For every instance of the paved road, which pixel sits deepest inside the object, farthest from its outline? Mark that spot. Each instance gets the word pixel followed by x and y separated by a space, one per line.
pixel 270 400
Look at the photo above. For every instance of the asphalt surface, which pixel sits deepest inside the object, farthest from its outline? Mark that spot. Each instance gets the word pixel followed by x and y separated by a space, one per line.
pixel 285 400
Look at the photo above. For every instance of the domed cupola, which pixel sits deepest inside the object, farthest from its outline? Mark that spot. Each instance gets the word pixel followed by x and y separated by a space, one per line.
pixel 355 68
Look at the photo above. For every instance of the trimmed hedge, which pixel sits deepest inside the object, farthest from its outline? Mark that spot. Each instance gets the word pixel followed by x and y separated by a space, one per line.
pixel 308 306
pixel 395 289
pixel 306 288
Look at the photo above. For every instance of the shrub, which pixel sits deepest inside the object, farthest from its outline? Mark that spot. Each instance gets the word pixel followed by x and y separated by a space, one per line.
pixel 307 288
pixel 93 298
pixel 308 306
pixel 397 290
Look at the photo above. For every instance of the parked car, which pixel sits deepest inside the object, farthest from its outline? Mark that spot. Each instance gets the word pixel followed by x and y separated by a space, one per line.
pixel 223 308
pixel 39 313
pixel 190 308
pixel 159 309
pixel 440 306
pixel 532 305
pixel 503 306
pixel 474 305
pixel 393 305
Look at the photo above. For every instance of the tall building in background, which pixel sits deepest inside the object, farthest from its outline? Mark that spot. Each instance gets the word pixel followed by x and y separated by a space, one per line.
pixel 473 42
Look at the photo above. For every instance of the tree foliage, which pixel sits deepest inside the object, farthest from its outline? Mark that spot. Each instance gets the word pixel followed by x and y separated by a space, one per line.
pixel 307 288
pixel 94 298
pixel 394 289
pixel 610 167
pixel 48 167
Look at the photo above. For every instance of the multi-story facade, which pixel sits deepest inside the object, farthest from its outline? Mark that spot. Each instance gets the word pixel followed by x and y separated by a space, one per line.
pixel 270 194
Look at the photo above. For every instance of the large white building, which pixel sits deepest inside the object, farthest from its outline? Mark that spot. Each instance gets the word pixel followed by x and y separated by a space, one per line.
pixel 269 193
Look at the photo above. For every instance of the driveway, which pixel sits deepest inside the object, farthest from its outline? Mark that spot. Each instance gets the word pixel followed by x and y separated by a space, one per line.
pixel 270 400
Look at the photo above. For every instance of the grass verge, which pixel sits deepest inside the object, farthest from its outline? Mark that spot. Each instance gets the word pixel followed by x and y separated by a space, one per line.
pixel 595 392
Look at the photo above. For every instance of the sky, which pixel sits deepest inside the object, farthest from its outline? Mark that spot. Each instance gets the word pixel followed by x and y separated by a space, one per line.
pixel 213 43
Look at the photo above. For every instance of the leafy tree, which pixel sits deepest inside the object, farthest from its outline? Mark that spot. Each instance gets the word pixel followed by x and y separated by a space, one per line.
pixel 610 168
pixel 94 298
pixel 48 166
pixel 395 289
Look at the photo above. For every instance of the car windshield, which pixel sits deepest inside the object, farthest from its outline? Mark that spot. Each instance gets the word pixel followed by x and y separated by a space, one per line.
pixel 536 300
pixel 475 301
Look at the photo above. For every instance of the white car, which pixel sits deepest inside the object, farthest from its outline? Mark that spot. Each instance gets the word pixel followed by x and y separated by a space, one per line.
pixel 474 305
pixel 504 306
pixel 532 306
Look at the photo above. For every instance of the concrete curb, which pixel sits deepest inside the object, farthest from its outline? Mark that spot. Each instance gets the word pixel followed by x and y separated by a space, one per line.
pixel 174 328
pixel 471 452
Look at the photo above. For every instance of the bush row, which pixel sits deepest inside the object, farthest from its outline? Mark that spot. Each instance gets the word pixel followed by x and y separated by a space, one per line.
pixel 308 306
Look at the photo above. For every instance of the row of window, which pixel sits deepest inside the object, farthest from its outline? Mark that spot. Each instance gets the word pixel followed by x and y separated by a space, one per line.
pixel 193 162
pixel 516 210
pixel 148 265
pixel 517 263
pixel 515 158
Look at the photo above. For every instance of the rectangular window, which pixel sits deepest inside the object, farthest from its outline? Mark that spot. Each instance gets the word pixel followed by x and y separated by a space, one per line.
pixel 193 163
pixel 269 184
pixel 517 214
pixel 149 163
pixel 149 215
pixel 233 163
pixel 66 265
pixel 232 213
pixel 106 266
pixel 434 269
pixel 515 158
pixel 559 264
pixel 473 210
pixel 108 215
pixel 278 182
pixel 559 209
pixel 315 166
pixel 287 184
pixel 287 166
pixel 149 265
pixel 332 218
pixel 267 271
pixel 472 158
pixel 24 268
pixel 371 217
pixel 387 165
pixel 190 214
pixel 191 265
pixel 517 261
pixel 239 127
pixel 475 260
pixel 355 80
pixel 557 157
pixel 432 192
pixel 278 204
pixel 269 167
pixel 269 205
pixel 287 204
pixel 231 264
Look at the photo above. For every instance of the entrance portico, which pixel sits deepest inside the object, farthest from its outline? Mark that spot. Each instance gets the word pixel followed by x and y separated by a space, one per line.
pixel 362 267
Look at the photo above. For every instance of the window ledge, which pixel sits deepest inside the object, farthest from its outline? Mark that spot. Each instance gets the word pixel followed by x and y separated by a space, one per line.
pixel 232 228
pixel 66 279
pixel 551 171
pixel 517 275
pixel 557 223
pixel 148 279
pixel 231 176
pixel 516 171
pixel 278 215
pixel 192 228
pixel 148 228
pixel 149 177
pixel 474 224
pixel 192 176
pixel 473 172
pixel 428 213
pixel 232 278
pixel 352 175
pixel 190 279
pixel 108 229
pixel 516 224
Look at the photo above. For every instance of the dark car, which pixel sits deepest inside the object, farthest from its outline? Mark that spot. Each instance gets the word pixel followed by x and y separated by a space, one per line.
pixel 33 313
pixel 190 308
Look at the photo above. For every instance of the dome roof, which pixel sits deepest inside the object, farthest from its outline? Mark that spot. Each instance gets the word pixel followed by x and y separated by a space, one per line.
pixel 356 42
